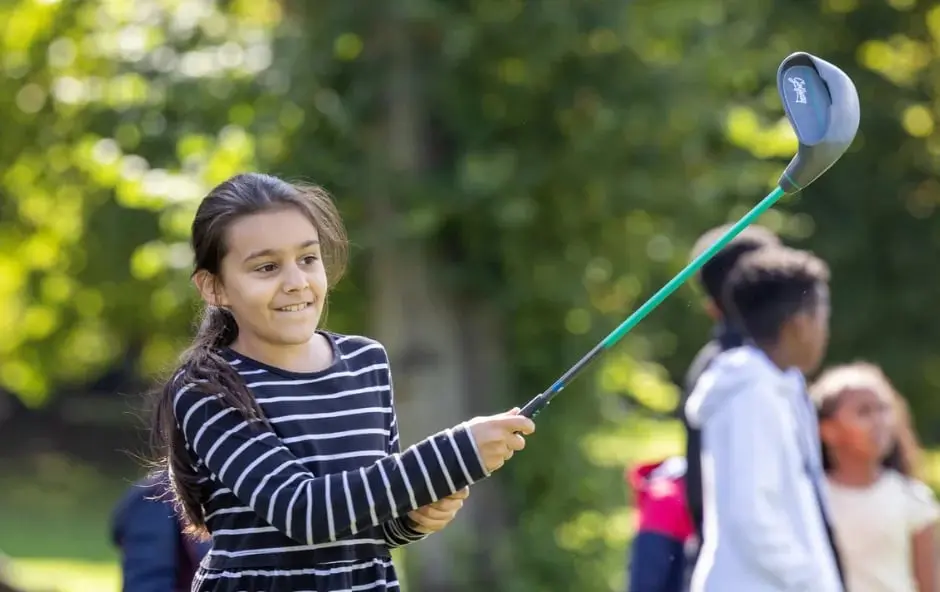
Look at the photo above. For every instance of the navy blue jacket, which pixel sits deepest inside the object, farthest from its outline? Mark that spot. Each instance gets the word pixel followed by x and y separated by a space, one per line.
pixel 155 554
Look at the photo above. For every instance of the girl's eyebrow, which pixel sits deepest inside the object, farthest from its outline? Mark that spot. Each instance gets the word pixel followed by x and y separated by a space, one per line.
pixel 270 252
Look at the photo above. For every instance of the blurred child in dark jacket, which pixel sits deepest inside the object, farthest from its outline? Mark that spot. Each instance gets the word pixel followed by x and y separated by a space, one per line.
pixel 156 556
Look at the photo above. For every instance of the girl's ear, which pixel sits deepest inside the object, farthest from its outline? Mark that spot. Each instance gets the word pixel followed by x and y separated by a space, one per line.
pixel 210 288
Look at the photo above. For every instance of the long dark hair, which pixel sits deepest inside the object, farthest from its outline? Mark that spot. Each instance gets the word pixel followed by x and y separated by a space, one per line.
pixel 827 392
pixel 202 363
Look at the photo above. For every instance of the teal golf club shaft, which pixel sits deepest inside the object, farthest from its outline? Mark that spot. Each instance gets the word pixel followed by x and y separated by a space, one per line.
pixel 534 406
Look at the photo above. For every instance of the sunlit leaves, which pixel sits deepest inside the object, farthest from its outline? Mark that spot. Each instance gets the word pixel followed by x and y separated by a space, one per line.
pixel 347 47
pixel 24 22
pixel 290 116
pixel 578 321
pixel 643 382
pixel 933 25
pixel 839 6
pixel 96 89
pixel 918 121
pixel 24 379
pixel 745 130
pixel 591 526
pixel 633 441
pixel 900 59
pixel 157 354
pixel 902 4
pixel 235 152
pixel 31 98
pixel 39 321
pixel 591 530
pixel 89 344
pixel 488 172
pixel 148 260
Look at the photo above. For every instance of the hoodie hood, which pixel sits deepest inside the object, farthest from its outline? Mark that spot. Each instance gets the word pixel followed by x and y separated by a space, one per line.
pixel 729 375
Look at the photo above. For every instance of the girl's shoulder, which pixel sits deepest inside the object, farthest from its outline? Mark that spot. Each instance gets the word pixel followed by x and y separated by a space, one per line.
pixel 918 496
pixel 349 338
pixel 896 479
pixel 350 341
pixel 358 348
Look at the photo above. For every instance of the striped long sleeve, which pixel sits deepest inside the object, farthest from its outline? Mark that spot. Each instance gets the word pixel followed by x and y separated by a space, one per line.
pixel 251 461
pixel 398 532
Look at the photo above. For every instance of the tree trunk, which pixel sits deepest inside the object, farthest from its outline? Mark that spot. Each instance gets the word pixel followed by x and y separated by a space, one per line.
pixel 446 354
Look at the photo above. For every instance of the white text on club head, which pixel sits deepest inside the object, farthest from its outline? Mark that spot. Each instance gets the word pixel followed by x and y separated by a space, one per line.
pixel 799 89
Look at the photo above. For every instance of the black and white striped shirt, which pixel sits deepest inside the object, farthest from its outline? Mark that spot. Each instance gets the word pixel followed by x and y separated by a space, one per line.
pixel 317 500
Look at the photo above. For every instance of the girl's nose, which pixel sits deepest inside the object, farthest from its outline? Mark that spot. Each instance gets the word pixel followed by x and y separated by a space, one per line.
pixel 294 279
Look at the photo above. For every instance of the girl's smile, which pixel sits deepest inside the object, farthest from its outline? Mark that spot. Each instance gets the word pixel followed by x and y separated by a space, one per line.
pixel 295 307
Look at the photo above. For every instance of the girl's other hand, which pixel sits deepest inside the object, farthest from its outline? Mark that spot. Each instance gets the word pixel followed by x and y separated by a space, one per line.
pixel 434 517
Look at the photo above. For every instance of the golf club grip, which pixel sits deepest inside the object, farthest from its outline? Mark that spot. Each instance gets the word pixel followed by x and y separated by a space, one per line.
pixel 533 407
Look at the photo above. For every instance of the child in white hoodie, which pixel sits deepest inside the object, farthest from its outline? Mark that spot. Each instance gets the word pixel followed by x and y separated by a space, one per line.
pixel 766 524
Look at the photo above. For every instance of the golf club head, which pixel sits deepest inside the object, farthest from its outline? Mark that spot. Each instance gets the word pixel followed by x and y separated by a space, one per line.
pixel 822 105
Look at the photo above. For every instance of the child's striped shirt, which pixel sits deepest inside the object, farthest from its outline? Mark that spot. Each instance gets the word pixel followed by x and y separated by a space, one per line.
pixel 316 501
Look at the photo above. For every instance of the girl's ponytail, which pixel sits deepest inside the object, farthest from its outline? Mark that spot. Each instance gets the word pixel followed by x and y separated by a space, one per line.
pixel 202 365
pixel 217 329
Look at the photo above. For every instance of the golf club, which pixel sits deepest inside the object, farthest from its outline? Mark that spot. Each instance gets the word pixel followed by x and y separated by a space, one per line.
pixel 821 104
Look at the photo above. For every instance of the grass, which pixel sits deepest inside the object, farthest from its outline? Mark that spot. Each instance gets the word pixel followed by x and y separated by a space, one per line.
pixel 64 575
pixel 56 517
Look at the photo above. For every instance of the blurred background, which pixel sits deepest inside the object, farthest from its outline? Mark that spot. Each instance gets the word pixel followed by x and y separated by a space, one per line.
pixel 516 177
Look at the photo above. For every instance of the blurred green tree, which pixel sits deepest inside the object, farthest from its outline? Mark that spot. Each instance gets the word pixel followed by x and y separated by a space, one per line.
pixel 117 117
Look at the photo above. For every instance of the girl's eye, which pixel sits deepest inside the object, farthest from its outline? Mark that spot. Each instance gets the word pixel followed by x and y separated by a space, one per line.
pixel 870 410
pixel 311 259
pixel 266 268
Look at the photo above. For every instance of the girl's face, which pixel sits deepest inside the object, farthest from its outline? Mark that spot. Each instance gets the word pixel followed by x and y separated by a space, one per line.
pixel 862 425
pixel 272 278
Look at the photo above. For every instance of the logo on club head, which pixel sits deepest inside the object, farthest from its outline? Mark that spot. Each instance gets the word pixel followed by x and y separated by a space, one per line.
pixel 799 89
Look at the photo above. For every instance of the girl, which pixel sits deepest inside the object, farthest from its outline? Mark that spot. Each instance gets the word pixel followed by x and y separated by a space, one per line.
pixel 884 518
pixel 281 438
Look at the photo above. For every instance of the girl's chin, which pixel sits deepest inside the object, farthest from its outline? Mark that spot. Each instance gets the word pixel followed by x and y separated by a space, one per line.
pixel 296 332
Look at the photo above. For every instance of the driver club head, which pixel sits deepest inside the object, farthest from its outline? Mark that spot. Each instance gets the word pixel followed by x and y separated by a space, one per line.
pixel 821 103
